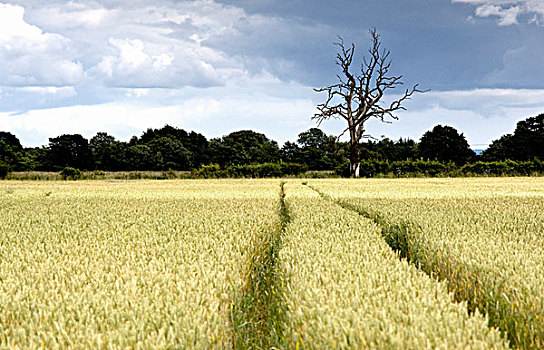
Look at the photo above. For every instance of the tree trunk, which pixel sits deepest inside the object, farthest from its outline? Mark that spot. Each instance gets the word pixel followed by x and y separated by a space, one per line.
pixel 356 97
pixel 354 159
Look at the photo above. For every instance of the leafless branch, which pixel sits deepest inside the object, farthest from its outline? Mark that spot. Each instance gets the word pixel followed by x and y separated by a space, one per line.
pixel 341 134
pixel 357 97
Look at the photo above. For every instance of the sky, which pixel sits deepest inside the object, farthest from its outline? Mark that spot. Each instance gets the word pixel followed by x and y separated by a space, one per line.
pixel 218 66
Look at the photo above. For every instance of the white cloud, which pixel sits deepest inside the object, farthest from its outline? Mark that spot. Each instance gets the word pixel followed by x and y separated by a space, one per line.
pixel 12 25
pixel 64 91
pixel 483 115
pixel 76 15
pixel 97 47
pixel 484 101
pixel 140 65
pixel 143 44
pixel 508 12
pixel 123 120
pixel 30 57
pixel 506 16
pixel 213 113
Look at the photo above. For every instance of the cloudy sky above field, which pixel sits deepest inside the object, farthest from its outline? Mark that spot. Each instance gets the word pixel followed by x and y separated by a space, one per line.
pixel 217 66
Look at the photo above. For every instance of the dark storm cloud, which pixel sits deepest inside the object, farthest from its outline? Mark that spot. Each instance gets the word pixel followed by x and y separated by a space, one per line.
pixel 436 43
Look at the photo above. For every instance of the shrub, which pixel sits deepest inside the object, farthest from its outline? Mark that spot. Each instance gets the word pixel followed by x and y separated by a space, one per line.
pixel 431 168
pixel 207 171
pixel 4 170
pixel 342 169
pixel 293 168
pixel 99 173
pixel 171 174
pixel 249 170
pixel 269 170
pixel 135 175
pixel 506 167
pixel 69 173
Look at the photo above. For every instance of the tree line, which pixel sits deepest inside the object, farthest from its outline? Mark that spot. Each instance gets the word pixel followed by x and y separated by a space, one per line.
pixel 174 148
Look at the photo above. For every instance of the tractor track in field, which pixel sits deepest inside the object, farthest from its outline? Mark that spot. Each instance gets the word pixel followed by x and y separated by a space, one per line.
pixel 258 316
pixel 396 235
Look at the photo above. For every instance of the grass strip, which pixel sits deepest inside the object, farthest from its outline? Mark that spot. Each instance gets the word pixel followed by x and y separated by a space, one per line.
pixel 259 313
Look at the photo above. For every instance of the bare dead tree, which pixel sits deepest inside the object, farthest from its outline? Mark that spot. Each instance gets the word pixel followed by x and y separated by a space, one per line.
pixel 357 97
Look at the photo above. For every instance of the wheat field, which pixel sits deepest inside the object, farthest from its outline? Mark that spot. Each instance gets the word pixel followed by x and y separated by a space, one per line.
pixel 321 263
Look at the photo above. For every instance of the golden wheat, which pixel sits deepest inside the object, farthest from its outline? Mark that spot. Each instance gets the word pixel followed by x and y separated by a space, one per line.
pixel 484 236
pixel 345 288
pixel 126 264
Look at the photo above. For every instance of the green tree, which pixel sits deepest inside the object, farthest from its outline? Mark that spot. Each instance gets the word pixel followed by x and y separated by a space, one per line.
pixel 313 144
pixel 291 153
pixel 391 150
pixel 445 144
pixel 11 151
pixel 526 143
pixel 315 150
pixel 38 159
pixel 4 170
pixel 103 150
pixel 170 154
pixel 196 145
pixel 70 150
pixel 70 173
pixel 142 157
pixel 244 147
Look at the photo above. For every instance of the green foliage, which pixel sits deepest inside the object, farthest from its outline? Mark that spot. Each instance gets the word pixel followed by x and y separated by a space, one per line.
pixel 293 168
pixel 171 174
pixel 526 143
pixel 255 170
pixel 70 151
pixel 316 149
pixel 11 151
pixel 445 144
pixel 386 148
pixel 249 170
pixel 38 159
pixel 69 173
pixel 504 168
pixel 169 154
pixel 406 168
pixel 106 152
pixel 208 171
pixel 172 148
pixel 432 168
pixel 5 169
pixel 141 157
pixel 244 147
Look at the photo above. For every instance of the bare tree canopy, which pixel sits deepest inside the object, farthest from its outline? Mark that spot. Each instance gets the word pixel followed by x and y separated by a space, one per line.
pixel 357 96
